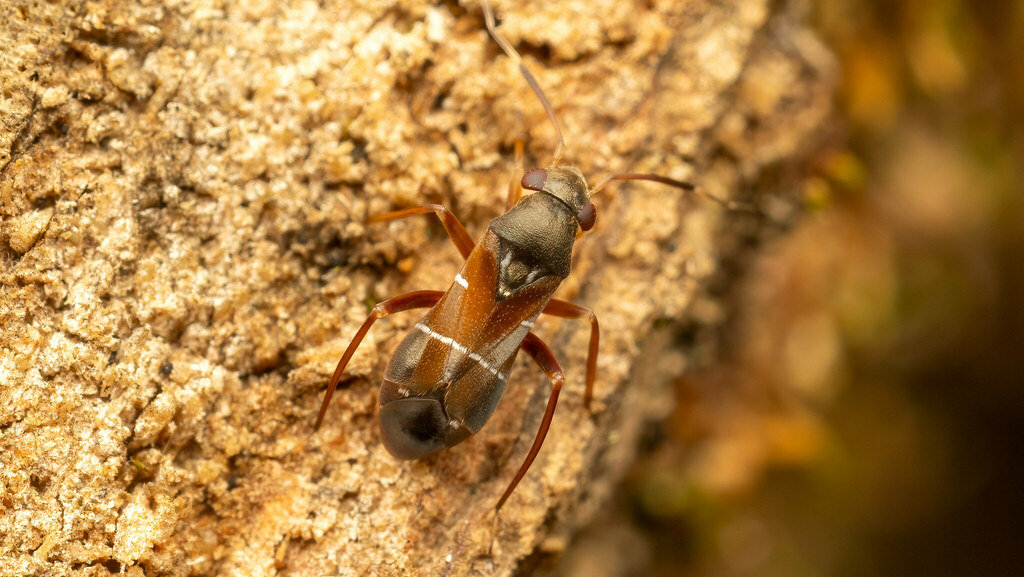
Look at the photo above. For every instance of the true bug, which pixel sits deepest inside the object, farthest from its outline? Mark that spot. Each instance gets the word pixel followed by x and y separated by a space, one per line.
pixel 446 377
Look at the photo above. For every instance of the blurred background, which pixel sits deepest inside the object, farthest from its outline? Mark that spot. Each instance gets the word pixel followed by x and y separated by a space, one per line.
pixel 867 418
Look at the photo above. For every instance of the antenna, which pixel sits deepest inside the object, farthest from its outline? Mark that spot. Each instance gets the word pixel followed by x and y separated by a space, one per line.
pixel 518 60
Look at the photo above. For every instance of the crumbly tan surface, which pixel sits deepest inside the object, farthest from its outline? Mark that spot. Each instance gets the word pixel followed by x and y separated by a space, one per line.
pixel 182 260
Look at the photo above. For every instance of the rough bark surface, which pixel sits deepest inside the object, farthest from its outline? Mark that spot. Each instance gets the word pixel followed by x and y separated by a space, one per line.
pixel 183 261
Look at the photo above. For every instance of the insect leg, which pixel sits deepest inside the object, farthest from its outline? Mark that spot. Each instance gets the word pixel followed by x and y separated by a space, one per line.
pixel 413 300
pixel 545 359
pixel 515 187
pixel 451 224
pixel 566 310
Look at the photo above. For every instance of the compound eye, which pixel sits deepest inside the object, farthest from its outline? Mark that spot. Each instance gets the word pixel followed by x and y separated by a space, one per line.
pixel 413 427
pixel 535 179
pixel 587 216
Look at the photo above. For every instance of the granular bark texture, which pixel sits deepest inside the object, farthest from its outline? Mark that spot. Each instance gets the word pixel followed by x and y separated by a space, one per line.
pixel 183 261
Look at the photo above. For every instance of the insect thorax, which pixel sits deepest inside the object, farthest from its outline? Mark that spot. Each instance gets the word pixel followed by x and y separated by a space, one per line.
pixel 536 239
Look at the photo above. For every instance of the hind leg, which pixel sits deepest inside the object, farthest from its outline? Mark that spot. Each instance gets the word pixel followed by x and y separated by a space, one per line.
pixel 545 359
pixel 408 301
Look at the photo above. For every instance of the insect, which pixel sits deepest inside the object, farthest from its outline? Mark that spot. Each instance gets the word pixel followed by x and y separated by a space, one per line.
pixel 446 377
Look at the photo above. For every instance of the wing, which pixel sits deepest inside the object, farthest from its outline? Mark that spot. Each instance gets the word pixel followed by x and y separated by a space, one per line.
pixel 463 348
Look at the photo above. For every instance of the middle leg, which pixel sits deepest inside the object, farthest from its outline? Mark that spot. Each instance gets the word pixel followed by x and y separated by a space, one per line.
pixel 567 310
pixel 451 224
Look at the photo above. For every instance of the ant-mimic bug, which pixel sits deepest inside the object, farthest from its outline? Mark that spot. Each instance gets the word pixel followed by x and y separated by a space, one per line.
pixel 448 374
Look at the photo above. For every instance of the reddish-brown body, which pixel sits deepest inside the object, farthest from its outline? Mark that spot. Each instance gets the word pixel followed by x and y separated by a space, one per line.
pixel 446 377
pixel 460 353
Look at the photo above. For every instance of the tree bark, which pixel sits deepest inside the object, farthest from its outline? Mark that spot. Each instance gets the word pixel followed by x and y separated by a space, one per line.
pixel 183 262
